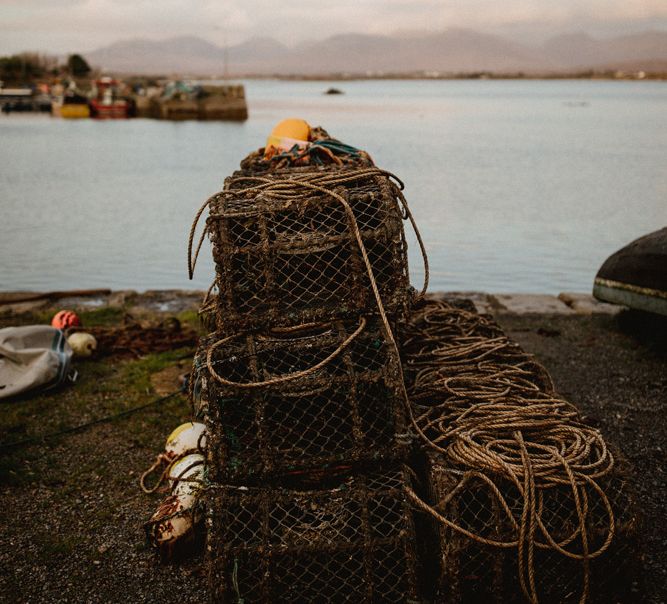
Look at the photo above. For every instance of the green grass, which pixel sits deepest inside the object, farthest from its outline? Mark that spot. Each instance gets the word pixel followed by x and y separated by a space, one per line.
pixel 101 317
pixel 105 387
pixel 95 317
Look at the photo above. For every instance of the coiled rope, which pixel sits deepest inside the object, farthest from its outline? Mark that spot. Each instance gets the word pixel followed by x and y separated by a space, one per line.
pixel 479 402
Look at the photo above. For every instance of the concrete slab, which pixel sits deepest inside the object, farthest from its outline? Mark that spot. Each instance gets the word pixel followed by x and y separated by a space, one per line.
pixel 531 304
pixel 585 304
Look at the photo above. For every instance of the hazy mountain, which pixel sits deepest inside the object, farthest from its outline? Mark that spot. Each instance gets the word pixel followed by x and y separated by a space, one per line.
pixel 454 50
pixel 581 50
pixel 164 56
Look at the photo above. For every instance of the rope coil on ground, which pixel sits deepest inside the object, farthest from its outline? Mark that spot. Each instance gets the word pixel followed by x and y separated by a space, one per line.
pixel 478 402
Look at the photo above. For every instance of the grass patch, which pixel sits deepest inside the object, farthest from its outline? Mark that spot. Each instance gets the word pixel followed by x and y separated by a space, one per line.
pixel 101 317
pixel 189 317
pixel 105 387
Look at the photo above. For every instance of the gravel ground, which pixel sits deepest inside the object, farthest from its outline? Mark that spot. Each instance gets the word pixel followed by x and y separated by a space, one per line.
pixel 72 529
pixel 614 369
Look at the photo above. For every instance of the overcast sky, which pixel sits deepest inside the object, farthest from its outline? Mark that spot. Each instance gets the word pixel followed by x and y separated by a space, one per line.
pixel 61 26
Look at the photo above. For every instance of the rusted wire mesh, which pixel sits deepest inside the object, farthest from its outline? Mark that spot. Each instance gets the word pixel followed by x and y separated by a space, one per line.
pixel 528 499
pixel 307 245
pixel 208 311
pixel 300 398
pixel 349 542
pixel 472 569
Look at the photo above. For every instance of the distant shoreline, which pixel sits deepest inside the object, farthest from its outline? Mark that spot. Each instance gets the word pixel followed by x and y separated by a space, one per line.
pixel 481 75
pixel 634 76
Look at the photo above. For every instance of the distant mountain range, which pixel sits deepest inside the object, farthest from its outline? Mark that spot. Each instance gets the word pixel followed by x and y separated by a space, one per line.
pixel 451 51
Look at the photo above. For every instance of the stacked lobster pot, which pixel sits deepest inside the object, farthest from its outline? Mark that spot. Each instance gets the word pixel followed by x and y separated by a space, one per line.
pixel 528 502
pixel 301 388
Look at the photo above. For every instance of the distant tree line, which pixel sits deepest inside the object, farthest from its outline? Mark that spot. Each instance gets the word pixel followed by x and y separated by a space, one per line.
pixel 26 67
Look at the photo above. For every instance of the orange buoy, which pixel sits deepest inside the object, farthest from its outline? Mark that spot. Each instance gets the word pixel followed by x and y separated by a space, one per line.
pixel 288 133
pixel 64 319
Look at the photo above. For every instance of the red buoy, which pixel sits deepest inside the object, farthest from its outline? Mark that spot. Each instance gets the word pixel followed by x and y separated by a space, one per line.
pixel 64 319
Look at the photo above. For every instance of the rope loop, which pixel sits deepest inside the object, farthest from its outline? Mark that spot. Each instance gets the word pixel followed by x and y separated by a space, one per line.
pixel 285 378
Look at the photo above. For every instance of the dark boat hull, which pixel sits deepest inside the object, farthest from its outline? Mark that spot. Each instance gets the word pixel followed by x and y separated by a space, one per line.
pixel 636 275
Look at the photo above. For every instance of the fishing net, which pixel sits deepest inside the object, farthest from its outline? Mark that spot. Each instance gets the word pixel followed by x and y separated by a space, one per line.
pixel 207 312
pixel 292 399
pixel 528 500
pixel 322 150
pixel 308 245
pixel 348 542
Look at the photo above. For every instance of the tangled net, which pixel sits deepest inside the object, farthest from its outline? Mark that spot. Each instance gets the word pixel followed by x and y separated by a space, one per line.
pixel 132 339
pixel 323 150
pixel 489 416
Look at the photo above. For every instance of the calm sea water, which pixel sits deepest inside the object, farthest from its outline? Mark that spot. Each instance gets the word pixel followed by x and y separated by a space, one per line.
pixel 517 186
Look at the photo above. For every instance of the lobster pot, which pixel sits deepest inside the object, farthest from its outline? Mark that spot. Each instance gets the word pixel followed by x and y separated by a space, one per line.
pixel 351 542
pixel 471 571
pixel 347 410
pixel 286 254
pixel 207 313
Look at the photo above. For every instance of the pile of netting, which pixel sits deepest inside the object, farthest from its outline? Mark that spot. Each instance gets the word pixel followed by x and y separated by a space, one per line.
pixel 529 501
pixel 134 339
pixel 321 150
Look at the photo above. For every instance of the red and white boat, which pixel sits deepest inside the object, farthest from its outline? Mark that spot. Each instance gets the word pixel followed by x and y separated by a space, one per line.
pixel 107 102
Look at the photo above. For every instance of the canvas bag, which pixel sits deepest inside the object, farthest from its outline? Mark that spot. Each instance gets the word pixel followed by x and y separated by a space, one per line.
pixel 34 356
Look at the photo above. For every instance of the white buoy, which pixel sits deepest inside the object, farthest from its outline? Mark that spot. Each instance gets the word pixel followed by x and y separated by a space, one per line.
pixel 187 468
pixel 189 436
pixel 83 344
pixel 173 524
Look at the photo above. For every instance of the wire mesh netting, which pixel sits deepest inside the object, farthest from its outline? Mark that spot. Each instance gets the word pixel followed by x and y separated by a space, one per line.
pixel 207 313
pixel 472 569
pixel 528 500
pixel 293 417
pixel 352 542
pixel 307 245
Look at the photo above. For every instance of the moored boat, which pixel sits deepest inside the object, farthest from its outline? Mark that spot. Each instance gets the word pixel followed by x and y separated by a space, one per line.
pixel 636 275
pixel 72 106
pixel 107 102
